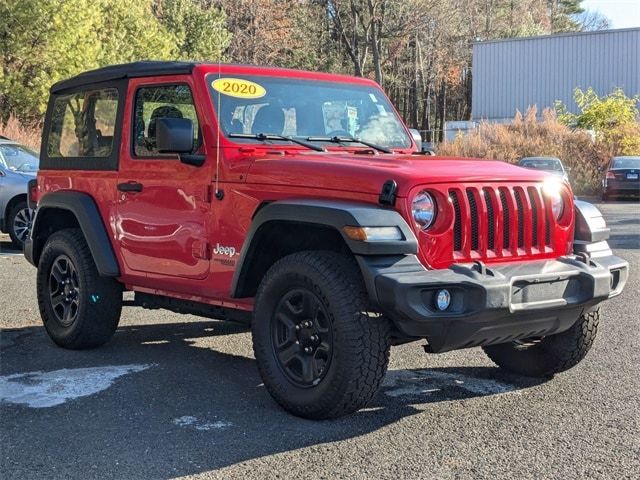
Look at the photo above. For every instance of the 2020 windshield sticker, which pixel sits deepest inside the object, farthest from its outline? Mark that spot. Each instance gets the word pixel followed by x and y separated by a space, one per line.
pixel 238 87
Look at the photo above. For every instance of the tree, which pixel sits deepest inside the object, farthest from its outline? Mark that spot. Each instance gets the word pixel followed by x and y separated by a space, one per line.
pixel 44 42
pixel 614 119
pixel 197 27
pixel 561 14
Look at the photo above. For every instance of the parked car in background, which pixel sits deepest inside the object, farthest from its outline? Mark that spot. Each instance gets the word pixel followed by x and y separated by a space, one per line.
pixel 548 164
pixel 622 177
pixel 18 165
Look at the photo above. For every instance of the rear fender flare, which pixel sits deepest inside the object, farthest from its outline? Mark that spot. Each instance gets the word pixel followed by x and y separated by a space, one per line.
pixel 86 212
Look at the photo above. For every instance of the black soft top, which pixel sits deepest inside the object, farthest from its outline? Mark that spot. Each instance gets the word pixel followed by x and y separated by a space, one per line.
pixel 126 70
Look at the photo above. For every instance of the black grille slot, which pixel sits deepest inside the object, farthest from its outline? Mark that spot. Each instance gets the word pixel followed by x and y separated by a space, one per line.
pixel 534 212
pixel 520 208
pixel 547 230
pixel 505 219
pixel 457 228
pixel 491 231
pixel 473 208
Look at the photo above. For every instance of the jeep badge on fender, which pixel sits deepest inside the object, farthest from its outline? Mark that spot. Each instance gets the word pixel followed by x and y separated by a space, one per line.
pixel 297 202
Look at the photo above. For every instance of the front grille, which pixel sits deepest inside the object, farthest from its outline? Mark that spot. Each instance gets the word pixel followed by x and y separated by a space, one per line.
pixel 501 221
pixel 491 220
pixel 457 232
pixel 473 210
pixel 506 238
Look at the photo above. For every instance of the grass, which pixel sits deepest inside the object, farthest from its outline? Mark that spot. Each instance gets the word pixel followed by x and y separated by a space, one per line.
pixel 28 136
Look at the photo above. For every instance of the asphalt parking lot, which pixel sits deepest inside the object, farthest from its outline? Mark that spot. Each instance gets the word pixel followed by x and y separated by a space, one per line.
pixel 179 396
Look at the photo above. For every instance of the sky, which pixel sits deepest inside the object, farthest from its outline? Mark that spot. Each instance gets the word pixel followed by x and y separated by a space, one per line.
pixel 622 13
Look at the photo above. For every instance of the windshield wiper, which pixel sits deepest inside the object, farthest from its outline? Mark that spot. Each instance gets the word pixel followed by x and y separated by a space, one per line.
pixel 337 139
pixel 269 136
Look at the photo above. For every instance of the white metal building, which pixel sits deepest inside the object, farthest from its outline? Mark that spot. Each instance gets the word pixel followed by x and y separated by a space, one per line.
pixel 510 75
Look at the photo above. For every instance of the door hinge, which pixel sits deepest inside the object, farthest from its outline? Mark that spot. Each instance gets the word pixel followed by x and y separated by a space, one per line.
pixel 210 193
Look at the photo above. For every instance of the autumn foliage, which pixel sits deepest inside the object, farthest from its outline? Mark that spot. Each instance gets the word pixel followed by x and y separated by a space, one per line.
pixel 529 136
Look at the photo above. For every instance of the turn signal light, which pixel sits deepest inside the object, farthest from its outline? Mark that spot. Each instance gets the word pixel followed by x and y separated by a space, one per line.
pixel 373 234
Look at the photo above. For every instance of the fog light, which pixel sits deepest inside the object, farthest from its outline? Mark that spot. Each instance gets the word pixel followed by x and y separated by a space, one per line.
pixel 443 299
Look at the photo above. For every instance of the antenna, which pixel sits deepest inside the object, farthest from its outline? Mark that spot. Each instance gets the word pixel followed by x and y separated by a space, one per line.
pixel 219 193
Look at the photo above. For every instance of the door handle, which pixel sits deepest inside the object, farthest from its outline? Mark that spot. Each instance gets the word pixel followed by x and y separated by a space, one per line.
pixel 130 187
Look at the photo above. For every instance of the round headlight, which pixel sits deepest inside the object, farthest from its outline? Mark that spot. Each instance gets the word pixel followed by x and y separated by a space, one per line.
pixel 552 191
pixel 557 205
pixel 423 210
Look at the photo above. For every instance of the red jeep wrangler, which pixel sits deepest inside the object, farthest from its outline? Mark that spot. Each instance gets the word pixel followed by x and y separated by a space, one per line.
pixel 301 198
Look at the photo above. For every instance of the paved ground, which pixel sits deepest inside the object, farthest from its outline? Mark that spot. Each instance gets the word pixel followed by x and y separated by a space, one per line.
pixel 174 396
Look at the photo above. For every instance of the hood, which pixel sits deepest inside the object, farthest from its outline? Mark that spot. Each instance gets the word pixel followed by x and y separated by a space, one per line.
pixel 27 175
pixel 366 173
pixel 19 174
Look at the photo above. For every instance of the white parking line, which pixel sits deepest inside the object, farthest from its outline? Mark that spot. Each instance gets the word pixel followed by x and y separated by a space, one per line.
pixel 48 389
pixel 197 424
pixel 399 383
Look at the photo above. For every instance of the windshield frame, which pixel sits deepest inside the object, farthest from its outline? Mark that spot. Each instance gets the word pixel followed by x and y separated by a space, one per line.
pixel 214 96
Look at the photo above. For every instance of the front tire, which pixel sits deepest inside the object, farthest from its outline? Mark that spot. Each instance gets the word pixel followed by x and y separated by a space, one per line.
pixel 319 352
pixel 80 309
pixel 550 355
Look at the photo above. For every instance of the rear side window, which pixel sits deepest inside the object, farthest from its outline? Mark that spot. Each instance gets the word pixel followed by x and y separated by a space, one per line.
pixel 163 101
pixel 83 125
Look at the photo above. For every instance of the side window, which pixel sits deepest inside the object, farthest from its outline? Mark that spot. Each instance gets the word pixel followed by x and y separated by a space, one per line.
pixel 83 124
pixel 166 101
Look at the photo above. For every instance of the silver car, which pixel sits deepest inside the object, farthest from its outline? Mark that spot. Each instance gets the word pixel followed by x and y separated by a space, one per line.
pixel 18 165
pixel 549 164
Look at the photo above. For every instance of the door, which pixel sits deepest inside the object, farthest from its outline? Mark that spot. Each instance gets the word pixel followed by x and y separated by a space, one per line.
pixel 163 205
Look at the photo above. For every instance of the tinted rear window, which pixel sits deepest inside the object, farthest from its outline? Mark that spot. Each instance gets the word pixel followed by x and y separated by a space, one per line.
pixel 631 162
pixel 83 128
pixel 83 124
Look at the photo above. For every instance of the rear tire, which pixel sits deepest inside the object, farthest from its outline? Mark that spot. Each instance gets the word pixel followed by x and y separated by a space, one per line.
pixel 80 309
pixel 549 355
pixel 318 294
pixel 19 223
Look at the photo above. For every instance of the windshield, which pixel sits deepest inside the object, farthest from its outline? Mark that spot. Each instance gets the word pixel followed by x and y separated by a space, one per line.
pixel 305 109
pixel 18 158
pixel 626 162
pixel 548 164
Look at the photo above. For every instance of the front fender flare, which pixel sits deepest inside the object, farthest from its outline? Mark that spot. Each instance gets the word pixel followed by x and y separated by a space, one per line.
pixel 333 214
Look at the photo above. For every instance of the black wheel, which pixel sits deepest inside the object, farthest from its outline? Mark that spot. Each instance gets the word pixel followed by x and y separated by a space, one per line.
pixel 19 223
pixel 319 351
pixel 544 357
pixel 79 308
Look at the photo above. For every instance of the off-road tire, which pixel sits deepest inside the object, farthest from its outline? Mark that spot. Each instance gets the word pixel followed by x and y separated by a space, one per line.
pixel 553 354
pixel 13 213
pixel 360 349
pixel 99 299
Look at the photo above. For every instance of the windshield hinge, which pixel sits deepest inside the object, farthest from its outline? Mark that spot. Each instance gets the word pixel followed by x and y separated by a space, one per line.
pixel 388 193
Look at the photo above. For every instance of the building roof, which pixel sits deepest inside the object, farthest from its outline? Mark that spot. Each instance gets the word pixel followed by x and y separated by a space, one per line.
pixel 557 35
pixel 126 70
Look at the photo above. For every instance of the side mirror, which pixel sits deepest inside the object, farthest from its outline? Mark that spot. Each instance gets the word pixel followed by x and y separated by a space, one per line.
pixel 415 134
pixel 174 135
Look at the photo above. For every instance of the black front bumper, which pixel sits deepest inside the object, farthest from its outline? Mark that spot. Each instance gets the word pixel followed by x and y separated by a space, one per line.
pixel 493 304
